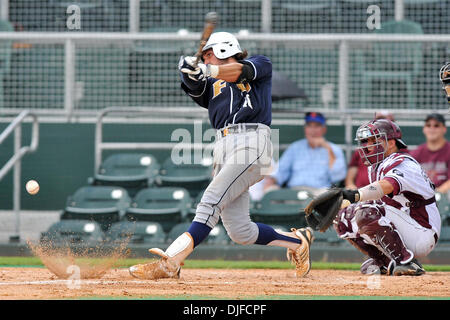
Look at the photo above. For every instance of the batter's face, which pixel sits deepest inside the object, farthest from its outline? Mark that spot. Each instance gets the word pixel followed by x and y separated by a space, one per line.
pixel 434 130
pixel 209 58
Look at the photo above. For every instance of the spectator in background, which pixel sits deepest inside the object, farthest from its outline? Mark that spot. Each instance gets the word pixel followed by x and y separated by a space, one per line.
pixel 313 162
pixel 434 154
pixel 357 175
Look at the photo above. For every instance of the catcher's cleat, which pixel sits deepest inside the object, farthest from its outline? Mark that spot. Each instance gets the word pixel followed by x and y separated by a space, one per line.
pixel 413 268
pixel 373 266
pixel 301 256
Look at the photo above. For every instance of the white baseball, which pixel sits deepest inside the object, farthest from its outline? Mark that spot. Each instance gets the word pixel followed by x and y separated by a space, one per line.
pixel 32 187
pixel 345 203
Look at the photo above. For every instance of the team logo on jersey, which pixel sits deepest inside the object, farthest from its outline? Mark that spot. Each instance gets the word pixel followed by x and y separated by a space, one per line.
pixel 395 171
pixel 218 86
pixel 244 87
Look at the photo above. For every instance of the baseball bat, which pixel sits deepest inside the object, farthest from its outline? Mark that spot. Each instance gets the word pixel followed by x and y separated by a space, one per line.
pixel 211 20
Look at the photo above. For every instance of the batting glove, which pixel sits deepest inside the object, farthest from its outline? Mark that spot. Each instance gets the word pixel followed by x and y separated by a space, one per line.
pixel 196 73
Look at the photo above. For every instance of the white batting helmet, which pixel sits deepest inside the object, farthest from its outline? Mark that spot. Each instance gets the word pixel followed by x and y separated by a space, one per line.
pixel 224 45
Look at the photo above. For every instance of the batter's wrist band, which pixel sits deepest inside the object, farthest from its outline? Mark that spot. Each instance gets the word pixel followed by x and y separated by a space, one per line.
pixel 212 71
pixel 373 191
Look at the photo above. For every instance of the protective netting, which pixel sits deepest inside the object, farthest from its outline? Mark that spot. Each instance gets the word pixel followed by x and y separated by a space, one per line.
pixel 144 73
pixel 309 16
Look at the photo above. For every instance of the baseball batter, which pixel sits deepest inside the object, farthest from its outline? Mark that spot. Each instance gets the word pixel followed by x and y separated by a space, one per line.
pixel 236 90
pixel 394 220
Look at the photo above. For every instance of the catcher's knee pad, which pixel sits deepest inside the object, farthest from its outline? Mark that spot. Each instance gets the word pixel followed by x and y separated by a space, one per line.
pixel 377 230
pixel 369 218
pixel 243 233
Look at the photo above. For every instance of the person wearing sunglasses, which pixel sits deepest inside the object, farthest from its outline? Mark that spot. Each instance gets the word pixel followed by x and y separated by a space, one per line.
pixel 434 154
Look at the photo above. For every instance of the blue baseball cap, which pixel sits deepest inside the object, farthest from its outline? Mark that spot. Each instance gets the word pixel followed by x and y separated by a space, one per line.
pixel 315 117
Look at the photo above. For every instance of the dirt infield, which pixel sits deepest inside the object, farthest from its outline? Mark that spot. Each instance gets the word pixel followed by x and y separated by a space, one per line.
pixel 39 283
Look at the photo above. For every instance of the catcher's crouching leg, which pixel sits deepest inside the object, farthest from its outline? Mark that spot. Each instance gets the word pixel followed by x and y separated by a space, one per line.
pixel 169 266
pixel 376 229
pixel 377 263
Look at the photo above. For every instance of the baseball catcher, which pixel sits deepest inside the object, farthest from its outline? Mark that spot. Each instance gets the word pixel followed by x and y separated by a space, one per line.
pixel 394 220
pixel 444 75
pixel 236 91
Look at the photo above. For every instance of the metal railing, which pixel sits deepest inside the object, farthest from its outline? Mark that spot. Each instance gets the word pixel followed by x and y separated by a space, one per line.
pixel 343 42
pixel 15 161
pixel 131 113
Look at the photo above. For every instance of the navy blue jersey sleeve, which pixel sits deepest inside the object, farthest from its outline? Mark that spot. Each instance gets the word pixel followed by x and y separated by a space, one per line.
pixel 196 90
pixel 262 67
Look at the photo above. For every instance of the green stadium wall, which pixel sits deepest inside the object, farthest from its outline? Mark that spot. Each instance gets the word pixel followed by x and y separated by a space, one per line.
pixel 65 158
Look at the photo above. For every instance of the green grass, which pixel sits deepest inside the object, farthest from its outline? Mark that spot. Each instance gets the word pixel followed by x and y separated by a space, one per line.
pixel 214 264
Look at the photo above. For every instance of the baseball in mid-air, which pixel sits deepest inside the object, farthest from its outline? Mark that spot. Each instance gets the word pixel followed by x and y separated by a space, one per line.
pixel 32 187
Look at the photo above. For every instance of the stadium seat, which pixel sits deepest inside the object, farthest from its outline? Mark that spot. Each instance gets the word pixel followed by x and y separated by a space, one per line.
pixel 96 15
pixel 245 14
pixel 445 235
pixel 282 207
pixel 154 13
pixel 132 171
pixel 393 62
pixel 193 177
pixel 5 56
pixel 218 234
pixel 153 68
pixel 328 237
pixel 192 210
pixel 305 16
pixel 280 228
pixel 443 205
pixel 352 14
pixel 69 232
pixel 135 232
pixel 102 75
pixel 308 75
pixel 103 204
pixel 432 15
pixel 23 85
pixel 167 206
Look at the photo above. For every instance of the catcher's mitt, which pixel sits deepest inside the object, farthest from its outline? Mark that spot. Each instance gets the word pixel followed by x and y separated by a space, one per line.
pixel 322 210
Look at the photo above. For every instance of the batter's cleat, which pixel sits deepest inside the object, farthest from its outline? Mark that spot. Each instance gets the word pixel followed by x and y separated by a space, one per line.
pixel 412 268
pixel 373 266
pixel 163 268
pixel 301 255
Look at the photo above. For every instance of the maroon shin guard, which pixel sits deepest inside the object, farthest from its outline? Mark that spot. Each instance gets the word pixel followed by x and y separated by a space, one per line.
pixel 382 233
pixel 380 258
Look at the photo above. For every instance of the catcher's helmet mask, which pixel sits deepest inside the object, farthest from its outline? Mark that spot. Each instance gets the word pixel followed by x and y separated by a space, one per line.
pixel 444 76
pixel 381 130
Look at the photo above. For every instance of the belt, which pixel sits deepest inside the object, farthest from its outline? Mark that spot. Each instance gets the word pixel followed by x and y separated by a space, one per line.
pixel 435 238
pixel 238 128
